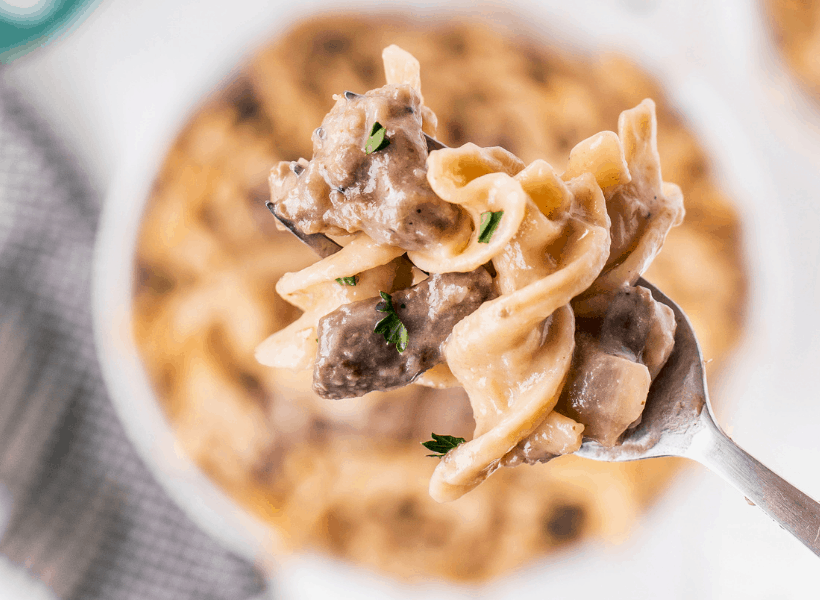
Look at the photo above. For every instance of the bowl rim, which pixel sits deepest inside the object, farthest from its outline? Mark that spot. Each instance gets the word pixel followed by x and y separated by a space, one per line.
pixel 125 376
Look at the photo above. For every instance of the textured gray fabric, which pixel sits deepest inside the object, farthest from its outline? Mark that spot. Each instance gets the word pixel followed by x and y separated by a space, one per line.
pixel 88 517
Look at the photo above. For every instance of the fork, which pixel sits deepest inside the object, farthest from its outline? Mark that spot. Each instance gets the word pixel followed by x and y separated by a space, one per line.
pixel 677 420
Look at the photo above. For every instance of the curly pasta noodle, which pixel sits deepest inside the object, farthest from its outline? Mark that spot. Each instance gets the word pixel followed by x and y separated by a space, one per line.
pixel 314 290
pixel 349 477
pixel 531 327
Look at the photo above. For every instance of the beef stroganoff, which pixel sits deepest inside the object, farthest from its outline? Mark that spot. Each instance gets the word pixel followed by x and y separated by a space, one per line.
pixel 348 477
pixel 561 246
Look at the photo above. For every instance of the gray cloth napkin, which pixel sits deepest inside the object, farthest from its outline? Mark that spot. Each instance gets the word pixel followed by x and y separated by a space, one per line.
pixel 88 517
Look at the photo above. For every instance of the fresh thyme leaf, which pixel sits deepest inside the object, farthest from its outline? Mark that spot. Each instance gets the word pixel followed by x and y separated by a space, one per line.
pixel 488 225
pixel 391 327
pixel 442 444
pixel 346 280
pixel 377 139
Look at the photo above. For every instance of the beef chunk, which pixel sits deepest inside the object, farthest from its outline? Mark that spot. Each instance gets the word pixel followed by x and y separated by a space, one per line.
pixel 384 193
pixel 352 360
pixel 613 365
pixel 638 328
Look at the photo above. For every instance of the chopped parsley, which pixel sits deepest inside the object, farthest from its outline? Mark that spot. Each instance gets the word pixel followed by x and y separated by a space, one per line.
pixel 346 280
pixel 489 223
pixel 391 327
pixel 377 140
pixel 442 444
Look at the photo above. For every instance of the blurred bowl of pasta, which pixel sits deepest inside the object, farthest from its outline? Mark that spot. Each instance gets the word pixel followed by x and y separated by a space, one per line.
pixel 188 258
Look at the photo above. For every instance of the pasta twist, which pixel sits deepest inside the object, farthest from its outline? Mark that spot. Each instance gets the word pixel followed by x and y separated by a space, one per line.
pixel 495 191
pixel 513 354
pixel 643 208
pixel 316 291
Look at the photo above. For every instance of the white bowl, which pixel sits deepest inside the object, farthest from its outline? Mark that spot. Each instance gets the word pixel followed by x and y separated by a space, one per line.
pixel 694 64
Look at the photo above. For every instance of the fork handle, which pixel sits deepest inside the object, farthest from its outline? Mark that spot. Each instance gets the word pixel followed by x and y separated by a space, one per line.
pixel 793 510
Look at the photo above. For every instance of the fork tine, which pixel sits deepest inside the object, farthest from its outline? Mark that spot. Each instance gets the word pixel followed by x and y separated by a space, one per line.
pixel 433 143
pixel 318 242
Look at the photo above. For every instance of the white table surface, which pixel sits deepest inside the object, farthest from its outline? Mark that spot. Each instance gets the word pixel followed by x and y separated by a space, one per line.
pixel 108 84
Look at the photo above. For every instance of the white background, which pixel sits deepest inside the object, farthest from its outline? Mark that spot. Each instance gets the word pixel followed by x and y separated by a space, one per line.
pixel 117 82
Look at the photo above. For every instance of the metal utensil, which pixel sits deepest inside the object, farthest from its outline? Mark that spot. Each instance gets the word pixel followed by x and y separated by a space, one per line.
pixel 674 422
pixel 318 242
pixel 678 421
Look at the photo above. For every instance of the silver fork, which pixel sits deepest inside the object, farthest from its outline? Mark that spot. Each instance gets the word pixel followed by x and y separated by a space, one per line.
pixel 678 421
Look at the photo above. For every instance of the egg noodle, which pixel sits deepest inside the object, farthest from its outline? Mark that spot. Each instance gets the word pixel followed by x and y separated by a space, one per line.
pixel 565 245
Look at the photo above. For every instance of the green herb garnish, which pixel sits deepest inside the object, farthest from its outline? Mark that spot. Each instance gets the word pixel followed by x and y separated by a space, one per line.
pixel 391 326
pixel 346 280
pixel 442 444
pixel 377 139
pixel 489 223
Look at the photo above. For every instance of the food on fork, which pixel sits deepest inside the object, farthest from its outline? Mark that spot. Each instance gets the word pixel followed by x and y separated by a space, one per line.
pixel 523 277
pixel 348 478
